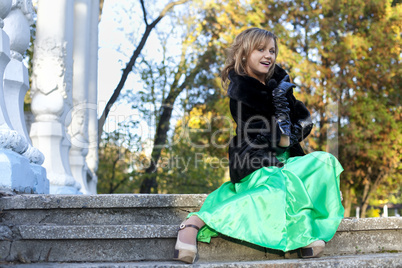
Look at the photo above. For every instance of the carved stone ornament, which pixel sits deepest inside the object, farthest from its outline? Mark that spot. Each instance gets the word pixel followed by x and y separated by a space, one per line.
pixel 15 55
pixel 28 10
pixel 48 71
pixel 12 140
pixel 34 155
pixel 5 7
pixel 68 83
pixel 26 7
pixel 17 4
pixel 62 179
pixel 47 107
pixel 17 28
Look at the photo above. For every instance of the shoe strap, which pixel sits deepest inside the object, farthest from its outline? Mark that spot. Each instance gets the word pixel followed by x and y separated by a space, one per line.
pixel 182 226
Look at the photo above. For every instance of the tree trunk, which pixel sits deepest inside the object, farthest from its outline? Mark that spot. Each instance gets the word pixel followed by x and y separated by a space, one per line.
pixel 365 200
pixel 368 191
pixel 160 139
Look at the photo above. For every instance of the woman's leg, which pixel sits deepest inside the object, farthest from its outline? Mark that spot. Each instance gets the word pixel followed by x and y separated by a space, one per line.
pixel 186 243
pixel 189 235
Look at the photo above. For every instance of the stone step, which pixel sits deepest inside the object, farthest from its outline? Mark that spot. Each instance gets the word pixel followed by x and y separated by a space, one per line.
pixel 34 201
pixel 52 232
pixel 98 209
pixel 389 260
pixel 116 228
pixel 108 243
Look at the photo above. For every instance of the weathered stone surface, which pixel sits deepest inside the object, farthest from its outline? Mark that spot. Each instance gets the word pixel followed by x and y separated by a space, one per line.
pixel 101 201
pixel 5 233
pixel 4 249
pixel 372 260
pixel 52 232
pixel 98 216
pixel 107 250
pixel 120 247
pixel 359 242
pixel 225 249
pixel 115 250
pixel 350 224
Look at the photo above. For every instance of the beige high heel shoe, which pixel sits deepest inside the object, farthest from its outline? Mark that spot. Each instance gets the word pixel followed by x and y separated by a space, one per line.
pixel 314 250
pixel 185 252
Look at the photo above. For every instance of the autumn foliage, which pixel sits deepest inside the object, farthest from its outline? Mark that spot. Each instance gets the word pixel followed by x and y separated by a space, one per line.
pixel 344 56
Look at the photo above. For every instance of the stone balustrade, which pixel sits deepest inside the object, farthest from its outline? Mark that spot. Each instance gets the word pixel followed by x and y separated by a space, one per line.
pixel 59 155
pixel 20 162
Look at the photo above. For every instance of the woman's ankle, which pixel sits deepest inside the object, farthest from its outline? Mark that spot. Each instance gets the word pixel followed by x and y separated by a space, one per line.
pixel 188 235
pixel 196 221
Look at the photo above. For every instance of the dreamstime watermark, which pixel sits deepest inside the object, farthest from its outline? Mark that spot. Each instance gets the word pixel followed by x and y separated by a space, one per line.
pixel 197 131
pixel 181 163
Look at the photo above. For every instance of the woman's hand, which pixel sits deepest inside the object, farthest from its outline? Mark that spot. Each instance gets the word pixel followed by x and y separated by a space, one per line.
pixel 285 141
pixel 282 107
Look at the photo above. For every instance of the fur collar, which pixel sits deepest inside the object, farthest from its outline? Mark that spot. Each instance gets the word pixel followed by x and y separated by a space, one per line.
pixel 252 92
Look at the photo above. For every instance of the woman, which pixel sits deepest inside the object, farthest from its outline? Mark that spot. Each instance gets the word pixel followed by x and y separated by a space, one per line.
pixel 278 197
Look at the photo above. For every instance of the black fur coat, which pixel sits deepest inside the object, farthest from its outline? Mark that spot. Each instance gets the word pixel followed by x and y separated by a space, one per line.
pixel 257 134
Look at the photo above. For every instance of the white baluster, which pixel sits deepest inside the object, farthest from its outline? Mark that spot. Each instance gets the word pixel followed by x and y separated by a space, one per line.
pixel 16 81
pixel 79 127
pixel 17 174
pixel 5 8
pixel 92 157
pixel 51 91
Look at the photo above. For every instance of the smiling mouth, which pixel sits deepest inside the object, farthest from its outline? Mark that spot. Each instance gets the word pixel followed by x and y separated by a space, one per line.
pixel 266 63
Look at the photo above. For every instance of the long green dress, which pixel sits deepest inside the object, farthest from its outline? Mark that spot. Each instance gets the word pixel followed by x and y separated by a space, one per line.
pixel 280 208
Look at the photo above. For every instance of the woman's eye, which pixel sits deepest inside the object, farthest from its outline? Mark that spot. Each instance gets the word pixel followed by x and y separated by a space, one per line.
pixel 273 51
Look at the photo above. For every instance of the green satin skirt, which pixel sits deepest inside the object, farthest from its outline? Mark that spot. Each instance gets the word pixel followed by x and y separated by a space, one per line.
pixel 280 208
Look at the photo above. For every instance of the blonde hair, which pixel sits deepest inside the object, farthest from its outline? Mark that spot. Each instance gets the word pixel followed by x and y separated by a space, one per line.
pixel 243 45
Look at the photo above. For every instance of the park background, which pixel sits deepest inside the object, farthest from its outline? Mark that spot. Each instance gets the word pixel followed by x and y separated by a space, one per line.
pixel 169 128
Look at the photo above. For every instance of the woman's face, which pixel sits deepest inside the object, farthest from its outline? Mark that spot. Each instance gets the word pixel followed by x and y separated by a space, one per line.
pixel 261 60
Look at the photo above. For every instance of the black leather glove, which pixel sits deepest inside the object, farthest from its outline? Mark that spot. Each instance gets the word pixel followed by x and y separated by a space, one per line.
pixel 300 130
pixel 282 106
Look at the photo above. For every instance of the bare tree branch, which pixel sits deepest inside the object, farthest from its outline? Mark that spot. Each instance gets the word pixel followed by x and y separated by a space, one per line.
pixel 166 9
pixel 130 65
pixel 144 12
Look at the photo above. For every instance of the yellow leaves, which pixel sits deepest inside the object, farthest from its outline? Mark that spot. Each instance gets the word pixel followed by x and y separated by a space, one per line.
pixel 197 118
pixel 396 29
pixel 288 56
pixel 373 213
pixel 356 45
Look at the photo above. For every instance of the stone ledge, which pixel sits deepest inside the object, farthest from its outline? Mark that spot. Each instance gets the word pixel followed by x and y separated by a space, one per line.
pixel 101 201
pixel 100 216
pixel 370 260
pixel 354 224
pixel 52 232
pixel 111 249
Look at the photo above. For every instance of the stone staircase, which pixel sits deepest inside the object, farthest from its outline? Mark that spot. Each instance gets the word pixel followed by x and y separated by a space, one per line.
pixel 140 230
